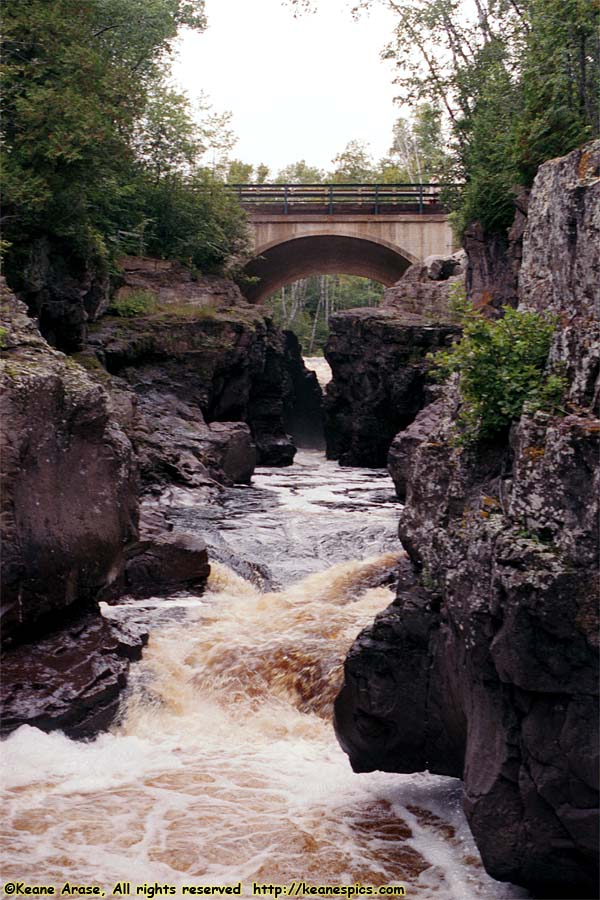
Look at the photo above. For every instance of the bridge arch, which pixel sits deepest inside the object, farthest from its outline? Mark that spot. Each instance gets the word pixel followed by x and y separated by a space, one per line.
pixel 281 262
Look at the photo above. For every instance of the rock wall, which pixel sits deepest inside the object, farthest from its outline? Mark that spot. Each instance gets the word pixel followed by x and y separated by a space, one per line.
pixel 486 665
pixel 192 392
pixel 205 373
pixel 63 292
pixel 69 510
pixel 378 358
pixel 494 260
pixel 303 408
pixel 69 496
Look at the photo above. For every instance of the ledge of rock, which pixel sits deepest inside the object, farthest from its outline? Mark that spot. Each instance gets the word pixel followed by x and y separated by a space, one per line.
pixel 166 563
pixel 207 385
pixel 71 679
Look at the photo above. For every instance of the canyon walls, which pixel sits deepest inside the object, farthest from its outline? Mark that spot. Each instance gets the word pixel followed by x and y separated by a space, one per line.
pixel 69 510
pixel 486 665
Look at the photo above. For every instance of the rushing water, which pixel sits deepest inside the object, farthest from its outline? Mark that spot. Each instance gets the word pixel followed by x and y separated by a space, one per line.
pixel 224 767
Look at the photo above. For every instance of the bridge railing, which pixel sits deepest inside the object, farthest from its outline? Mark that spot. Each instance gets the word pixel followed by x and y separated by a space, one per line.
pixel 331 199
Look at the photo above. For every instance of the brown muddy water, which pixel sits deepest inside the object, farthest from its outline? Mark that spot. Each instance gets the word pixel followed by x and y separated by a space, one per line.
pixel 224 767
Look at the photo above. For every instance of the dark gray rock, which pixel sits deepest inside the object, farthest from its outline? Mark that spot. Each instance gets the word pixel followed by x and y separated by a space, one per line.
pixel 303 406
pixel 71 679
pixel 69 497
pixel 209 386
pixel 501 626
pixel 62 291
pixel 494 260
pixel 166 563
pixel 69 510
pixel 379 365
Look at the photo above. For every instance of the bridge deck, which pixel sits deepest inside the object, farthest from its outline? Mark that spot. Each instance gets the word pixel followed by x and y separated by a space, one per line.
pixel 346 199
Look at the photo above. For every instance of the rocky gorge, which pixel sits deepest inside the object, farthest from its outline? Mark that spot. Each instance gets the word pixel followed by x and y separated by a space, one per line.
pixel 191 396
pixel 485 665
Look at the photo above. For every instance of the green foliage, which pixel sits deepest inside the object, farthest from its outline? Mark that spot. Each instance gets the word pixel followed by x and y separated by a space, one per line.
pixel 517 81
pixel 300 173
pixel 501 366
pixel 101 156
pixel 135 303
pixel 3 333
pixel 354 163
pixel 418 148
pixel 194 220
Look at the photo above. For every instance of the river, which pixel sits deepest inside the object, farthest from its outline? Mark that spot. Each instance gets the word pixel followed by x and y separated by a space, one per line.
pixel 224 766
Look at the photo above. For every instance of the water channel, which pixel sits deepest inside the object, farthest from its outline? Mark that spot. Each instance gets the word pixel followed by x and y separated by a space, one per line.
pixel 224 766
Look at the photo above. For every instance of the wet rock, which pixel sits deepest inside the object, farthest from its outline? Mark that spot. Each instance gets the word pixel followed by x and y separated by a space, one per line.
pixel 379 365
pixel 303 409
pixel 504 543
pixel 71 679
pixel 379 713
pixel 236 450
pixel 69 509
pixel 175 445
pixel 166 563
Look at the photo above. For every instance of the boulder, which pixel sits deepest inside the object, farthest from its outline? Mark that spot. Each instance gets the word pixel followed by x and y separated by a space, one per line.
pixel 423 294
pixel 166 563
pixel 70 679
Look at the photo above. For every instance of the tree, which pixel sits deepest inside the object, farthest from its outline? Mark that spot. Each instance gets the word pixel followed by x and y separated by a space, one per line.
pixel 354 163
pixel 306 305
pixel 95 138
pixel 166 139
pixel 300 173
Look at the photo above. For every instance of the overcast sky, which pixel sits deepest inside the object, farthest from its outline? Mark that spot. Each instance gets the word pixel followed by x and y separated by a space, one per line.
pixel 298 88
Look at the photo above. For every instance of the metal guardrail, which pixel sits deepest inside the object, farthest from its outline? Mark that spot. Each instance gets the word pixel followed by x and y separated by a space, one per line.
pixel 330 199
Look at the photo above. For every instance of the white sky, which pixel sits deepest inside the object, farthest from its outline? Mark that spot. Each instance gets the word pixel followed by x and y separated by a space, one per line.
pixel 298 88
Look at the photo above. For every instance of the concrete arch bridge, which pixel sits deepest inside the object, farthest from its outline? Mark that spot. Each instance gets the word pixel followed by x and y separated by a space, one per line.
pixel 372 230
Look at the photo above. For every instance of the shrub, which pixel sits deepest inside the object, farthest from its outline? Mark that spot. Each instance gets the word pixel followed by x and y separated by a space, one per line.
pixel 501 364
pixel 136 303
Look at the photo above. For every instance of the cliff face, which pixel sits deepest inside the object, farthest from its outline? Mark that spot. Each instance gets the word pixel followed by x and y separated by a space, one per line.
pixel 206 373
pixel 486 665
pixel 69 509
pixel 69 479
pixel 379 362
